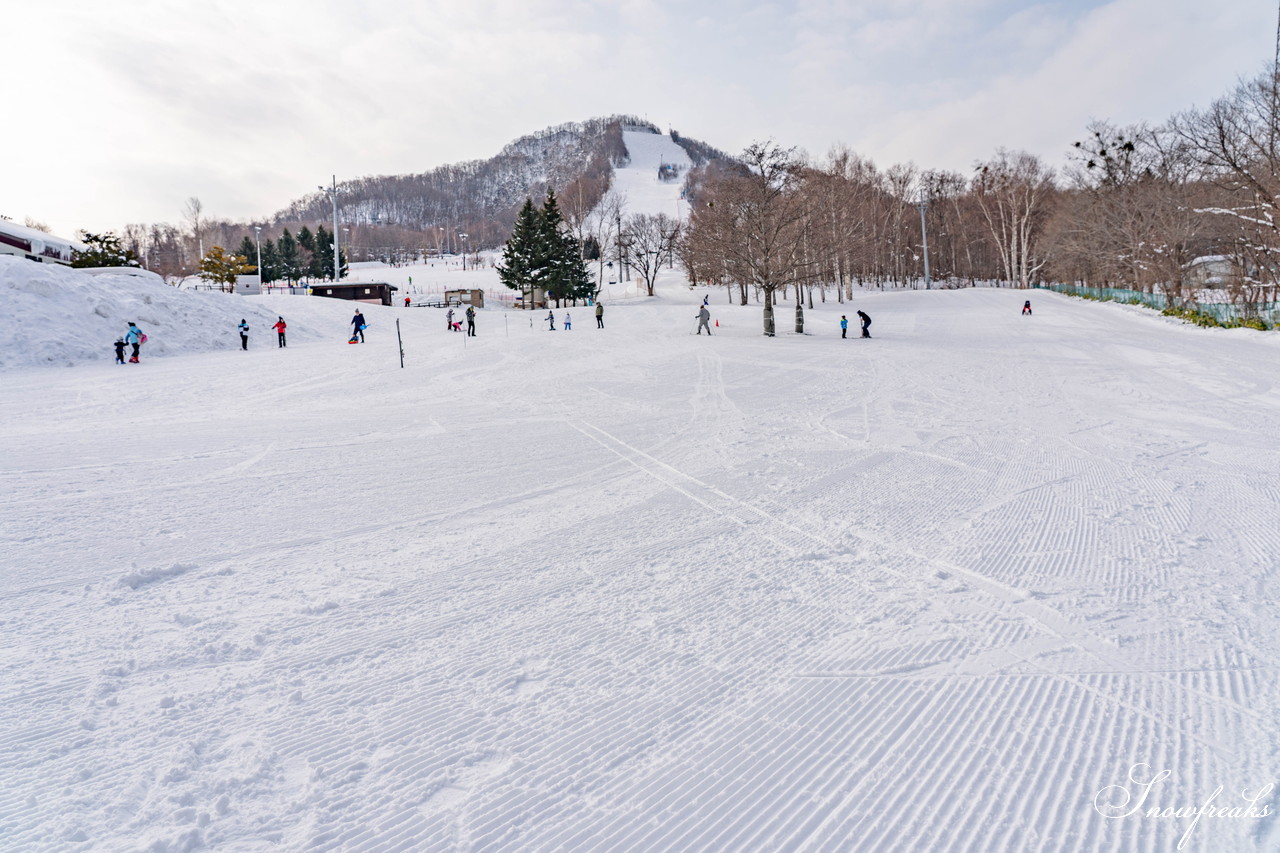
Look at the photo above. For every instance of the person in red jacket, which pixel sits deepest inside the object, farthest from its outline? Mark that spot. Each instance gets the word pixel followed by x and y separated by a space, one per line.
pixel 280 327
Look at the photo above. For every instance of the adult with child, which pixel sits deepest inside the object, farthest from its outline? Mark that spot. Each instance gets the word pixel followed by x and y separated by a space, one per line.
pixel 134 336
pixel 243 328
pixel 280 326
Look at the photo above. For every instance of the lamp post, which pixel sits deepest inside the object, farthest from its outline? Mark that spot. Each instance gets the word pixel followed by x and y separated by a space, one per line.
pixel 333 196
pixel 463 239
pixel 924 235
pixel 257 234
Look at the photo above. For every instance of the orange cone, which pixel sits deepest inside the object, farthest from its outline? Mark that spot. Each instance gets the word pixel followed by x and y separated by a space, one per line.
pixel 717 324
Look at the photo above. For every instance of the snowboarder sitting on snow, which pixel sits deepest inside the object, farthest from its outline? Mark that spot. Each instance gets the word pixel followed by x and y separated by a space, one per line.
pixel 119 350
pixel 704 319
pixel 1026 307
pixel 866 324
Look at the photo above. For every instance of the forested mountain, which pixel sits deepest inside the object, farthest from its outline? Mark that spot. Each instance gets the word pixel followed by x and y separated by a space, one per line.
pixel 481 197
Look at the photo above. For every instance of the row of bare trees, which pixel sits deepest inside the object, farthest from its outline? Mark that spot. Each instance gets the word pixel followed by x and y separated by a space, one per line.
pixel 1133 208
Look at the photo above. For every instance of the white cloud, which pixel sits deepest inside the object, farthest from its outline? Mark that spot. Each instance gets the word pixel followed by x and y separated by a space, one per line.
pixel 248 105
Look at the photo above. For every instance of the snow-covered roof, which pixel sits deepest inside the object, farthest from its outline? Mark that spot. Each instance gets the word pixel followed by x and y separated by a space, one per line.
pixel 22 232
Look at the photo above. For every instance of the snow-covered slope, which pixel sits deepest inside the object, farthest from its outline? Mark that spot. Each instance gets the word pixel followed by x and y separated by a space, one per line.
pixel 638 182
pixel 637 589
pixel 61 316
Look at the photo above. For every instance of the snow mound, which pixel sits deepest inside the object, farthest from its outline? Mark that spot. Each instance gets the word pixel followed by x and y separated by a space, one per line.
pixel 62 316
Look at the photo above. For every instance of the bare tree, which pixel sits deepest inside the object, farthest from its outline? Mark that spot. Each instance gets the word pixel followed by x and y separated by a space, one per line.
pixel 1013 191
pixel 754 222
pixel 193 213
pixel 651 239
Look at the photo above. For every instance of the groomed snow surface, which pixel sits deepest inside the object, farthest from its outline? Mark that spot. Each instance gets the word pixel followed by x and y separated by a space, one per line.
pixel 632 588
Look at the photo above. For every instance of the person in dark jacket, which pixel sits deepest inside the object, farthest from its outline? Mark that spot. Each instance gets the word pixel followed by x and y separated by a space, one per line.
pixel 551 321
pixel 599 316
pixel 357 326
pixel 1026 307
pixel 471 321
pixel 866 324
pixel 243 328
pixel 119 350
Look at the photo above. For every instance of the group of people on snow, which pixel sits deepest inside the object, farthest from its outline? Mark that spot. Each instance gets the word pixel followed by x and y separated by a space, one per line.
pixel 568 320
pixel 866 324
pixel 135 337
pixel 279 326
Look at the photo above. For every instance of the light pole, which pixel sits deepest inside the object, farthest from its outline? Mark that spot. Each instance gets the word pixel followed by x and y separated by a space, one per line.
pixel 257 233
pixel 333 196
pixel 924 234
pixel 463 239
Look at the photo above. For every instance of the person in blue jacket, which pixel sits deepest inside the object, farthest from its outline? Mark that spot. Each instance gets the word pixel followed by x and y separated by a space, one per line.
pixel 134 336
pixel 844 326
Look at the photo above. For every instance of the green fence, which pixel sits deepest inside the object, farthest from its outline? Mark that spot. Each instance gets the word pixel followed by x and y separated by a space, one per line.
pixel 1225 313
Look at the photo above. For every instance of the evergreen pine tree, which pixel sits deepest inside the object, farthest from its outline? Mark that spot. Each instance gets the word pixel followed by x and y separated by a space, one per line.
pixel 290 261
pixel 307 253
pixel 519 252
pixel 567 276
pixel 270 263
pixel 103 250
pixel 249 249
pixel 322 259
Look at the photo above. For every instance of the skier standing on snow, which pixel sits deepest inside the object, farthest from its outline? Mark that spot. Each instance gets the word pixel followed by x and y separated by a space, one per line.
pixel 119 350
pixel 280 326
pixel 1026 307
pixel 134 336
pixel 357 326
pixel 866 324
pixel 704 320
pixel 599 316
pixel 471 321
pixel 551 321
pixel 244 334
pixel 844 326
pixel 568 324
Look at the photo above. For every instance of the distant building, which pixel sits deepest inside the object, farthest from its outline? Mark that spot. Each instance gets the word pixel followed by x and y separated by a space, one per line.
pixel 1211 271
pixel 374 292
pixel 464 297
pixel 35 245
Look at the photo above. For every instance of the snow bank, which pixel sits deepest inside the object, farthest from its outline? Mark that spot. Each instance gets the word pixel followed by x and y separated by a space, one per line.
pixel 62 316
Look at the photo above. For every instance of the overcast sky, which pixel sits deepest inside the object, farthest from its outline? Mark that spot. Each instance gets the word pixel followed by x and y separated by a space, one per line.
pixel 120 111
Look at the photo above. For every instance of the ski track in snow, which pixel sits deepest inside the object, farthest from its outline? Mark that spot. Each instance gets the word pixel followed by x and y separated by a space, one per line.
pixel 642 590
